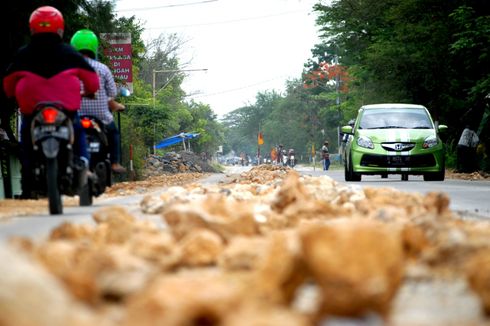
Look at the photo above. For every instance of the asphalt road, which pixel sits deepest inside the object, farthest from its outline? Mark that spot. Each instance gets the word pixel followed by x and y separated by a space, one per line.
pixel 38 226
pixel 471 199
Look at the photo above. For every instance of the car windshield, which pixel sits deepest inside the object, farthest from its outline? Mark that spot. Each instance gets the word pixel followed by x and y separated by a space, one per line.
pixel 395 118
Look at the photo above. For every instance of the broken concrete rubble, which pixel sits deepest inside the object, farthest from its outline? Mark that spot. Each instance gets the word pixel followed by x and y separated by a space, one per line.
pixel 249 250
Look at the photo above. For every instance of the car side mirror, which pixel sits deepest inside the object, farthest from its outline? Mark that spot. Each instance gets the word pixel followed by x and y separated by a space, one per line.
pixel 442 128
pixel 346 129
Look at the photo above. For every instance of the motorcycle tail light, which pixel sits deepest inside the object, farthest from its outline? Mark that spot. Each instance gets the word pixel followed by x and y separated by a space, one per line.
pixel 86 123
pixel 49 115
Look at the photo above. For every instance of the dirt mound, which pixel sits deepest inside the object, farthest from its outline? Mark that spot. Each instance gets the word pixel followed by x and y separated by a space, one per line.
pixel 172 162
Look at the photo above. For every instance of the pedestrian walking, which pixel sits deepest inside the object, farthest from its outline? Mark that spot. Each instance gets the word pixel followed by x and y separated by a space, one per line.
pixel 325 156
pixel 466 151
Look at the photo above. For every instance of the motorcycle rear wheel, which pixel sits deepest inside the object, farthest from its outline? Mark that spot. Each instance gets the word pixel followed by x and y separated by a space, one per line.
pixel 54 196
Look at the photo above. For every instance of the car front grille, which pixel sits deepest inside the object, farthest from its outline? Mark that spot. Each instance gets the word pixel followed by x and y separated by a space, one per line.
pixel 390 161
pixel 398 147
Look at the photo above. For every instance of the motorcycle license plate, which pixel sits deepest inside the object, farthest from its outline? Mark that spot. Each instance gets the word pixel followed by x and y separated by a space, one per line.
pixel 94 147
pixel 60 132
pixel 47 128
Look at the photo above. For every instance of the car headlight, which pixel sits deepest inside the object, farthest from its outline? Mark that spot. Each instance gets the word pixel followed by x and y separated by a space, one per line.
pixel 430 142
pixel 365 142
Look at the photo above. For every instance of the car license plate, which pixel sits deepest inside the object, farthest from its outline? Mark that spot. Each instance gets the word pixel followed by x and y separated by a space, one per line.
pixel 398 160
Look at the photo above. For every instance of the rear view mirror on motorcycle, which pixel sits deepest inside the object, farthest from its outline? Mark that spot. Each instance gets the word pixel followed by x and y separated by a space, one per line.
pixel 124 92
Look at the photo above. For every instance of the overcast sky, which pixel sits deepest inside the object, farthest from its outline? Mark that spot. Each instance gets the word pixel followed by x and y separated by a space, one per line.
pixel 247 46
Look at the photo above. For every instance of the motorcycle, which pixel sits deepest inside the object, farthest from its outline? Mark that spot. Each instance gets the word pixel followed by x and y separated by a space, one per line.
pixel 284 158
pixel 100 164
pixel 56 170
pixel 291 158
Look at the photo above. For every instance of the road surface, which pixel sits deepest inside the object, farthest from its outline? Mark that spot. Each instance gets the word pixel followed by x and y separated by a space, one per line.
pixel 471 199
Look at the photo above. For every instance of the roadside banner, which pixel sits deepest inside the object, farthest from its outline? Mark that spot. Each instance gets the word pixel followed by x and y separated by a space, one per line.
pixel 119 53
pixel 260 139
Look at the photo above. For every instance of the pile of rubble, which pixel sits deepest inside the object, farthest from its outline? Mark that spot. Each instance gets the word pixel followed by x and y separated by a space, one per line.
pixel 173 162
pixel 268 248
pixel 477 175
pixel 152 183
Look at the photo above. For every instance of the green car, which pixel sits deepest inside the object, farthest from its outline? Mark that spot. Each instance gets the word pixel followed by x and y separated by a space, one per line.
pixel 394 139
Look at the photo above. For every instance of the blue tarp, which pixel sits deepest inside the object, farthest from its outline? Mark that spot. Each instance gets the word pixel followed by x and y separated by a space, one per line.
pixel 176 139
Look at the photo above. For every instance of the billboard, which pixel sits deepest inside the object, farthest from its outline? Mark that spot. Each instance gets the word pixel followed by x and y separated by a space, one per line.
pixel 119 54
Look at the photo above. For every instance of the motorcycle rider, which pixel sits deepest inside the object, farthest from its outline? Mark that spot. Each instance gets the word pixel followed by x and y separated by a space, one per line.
pixel 291 159
pixel 273 155
pixel 86 42
pixel 48 70
pixel 280 154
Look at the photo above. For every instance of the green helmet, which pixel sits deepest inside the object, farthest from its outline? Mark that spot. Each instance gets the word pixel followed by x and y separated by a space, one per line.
pixel 86 40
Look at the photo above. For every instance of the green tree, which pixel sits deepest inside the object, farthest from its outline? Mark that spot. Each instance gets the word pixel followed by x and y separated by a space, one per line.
pixel 294 119
pixel 430 52
pixel 204 121
pixel 243 125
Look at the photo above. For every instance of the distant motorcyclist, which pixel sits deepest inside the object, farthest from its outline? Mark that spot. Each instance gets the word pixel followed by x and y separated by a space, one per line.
pixel 48 70
pixel 273 155
pixel 86 42
pixel 242 159
pixel 291 158
pixel 280 153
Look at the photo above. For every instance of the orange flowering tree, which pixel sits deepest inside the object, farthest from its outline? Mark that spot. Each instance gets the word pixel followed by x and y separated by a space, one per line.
pixel 325 73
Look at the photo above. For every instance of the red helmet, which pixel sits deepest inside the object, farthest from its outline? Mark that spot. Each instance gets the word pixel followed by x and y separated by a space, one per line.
pixel 46 20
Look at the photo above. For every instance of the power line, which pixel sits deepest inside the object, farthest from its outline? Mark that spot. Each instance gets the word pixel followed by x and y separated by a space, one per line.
pixel 229 21
pixel 167 6
pixel 239 88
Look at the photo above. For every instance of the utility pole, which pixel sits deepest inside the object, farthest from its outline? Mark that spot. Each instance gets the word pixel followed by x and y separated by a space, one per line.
pixel 337 100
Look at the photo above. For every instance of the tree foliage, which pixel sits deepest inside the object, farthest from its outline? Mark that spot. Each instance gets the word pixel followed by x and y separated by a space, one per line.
pixel 430 52
pixel 294 119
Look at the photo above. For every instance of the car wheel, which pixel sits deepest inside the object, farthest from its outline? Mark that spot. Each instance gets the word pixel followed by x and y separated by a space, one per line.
pixel 435 176
pixel 350 175
pixel 347 175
